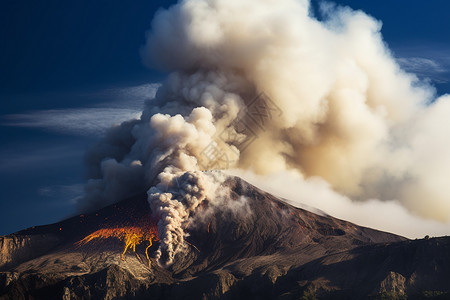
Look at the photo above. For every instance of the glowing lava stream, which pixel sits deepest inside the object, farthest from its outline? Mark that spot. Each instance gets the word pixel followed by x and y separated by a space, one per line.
pixel 131 236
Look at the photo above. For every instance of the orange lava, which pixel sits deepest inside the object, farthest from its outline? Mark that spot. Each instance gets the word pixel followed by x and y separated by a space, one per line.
pixel 130 235
pixel 209 224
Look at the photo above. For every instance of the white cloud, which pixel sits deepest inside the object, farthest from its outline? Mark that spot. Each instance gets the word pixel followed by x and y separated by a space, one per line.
pixel 125 104
pixel 425 68
pixel 79 121
pixel 19 159
pixel 419 64
pixel 129 97
pixel 430 62
pixel 68 194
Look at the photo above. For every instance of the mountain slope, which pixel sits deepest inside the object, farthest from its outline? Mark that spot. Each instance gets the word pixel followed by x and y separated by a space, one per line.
pixel 263 249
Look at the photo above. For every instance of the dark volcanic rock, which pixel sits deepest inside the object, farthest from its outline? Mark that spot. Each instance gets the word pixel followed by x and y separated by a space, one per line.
pixel 15 249
pixel 269 249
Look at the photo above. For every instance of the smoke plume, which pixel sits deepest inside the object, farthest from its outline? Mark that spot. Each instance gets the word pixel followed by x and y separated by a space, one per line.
pixel 263 85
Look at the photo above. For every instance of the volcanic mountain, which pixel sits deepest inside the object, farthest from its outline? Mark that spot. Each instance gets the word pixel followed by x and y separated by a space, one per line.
pixel 264 249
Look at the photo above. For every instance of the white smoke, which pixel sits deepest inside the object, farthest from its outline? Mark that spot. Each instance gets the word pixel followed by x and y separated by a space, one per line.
pixel 346 112
pixel 173 208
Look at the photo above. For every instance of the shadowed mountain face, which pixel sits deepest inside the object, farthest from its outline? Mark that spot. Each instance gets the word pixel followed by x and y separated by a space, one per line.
pixel 265 249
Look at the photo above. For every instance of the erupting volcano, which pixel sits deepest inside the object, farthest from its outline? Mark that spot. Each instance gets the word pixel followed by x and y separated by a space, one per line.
pixel 262 242
pixel 266 89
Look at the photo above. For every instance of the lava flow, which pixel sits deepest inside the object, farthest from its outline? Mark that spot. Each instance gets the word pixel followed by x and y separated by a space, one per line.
pixel 130 235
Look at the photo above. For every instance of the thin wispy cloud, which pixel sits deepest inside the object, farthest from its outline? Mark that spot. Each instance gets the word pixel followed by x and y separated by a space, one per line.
pixel 425 68
pixel 124 104
pixel 80 121
pixel 145 91
pixel 428 63
pixel 129 97
pixel 66 194
pixel 419 64
pixel 19 160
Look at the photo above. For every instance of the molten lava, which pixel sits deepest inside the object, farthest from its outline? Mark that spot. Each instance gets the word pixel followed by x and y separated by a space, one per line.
pixel 130 235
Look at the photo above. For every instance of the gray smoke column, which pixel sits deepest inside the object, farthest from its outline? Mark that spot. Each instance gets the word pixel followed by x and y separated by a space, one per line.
pixel 342 109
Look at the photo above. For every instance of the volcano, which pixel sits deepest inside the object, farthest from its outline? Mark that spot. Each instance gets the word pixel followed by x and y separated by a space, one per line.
pixel 266 249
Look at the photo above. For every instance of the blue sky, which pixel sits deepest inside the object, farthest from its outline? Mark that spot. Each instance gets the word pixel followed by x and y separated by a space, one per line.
pixel 70 69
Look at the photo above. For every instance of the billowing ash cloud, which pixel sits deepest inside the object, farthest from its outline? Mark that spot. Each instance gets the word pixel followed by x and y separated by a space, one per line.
pixel 335 104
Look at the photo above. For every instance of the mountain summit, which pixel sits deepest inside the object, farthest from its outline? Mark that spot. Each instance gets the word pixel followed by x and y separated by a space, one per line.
pixel 259 247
